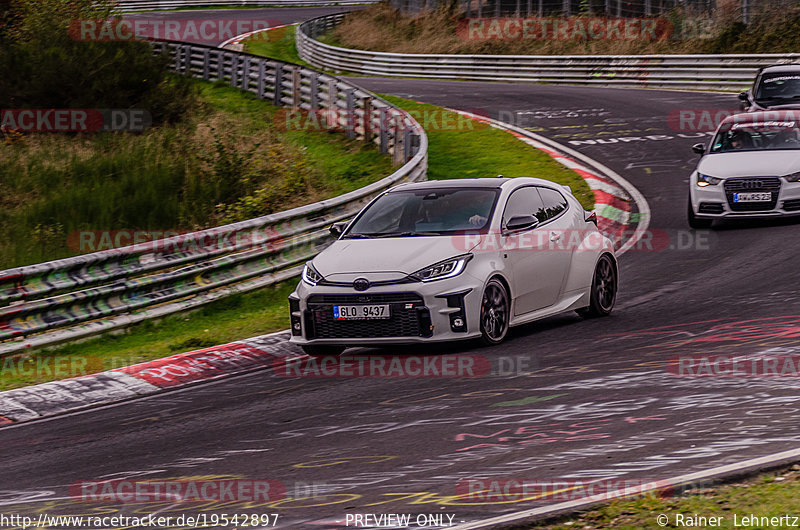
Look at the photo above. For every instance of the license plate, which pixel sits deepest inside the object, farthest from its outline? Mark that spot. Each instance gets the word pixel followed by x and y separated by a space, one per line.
pixel 360 312
pixel 752 197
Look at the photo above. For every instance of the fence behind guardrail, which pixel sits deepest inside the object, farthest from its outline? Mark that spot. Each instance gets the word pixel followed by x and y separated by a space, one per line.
pixel 76 297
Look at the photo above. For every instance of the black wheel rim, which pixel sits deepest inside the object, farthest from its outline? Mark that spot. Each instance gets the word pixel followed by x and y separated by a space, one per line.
pixel 605 284
pixel 494 312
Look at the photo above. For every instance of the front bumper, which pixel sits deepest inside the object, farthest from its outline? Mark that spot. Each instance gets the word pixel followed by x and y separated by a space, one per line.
pixel 420 312
pixel 716 202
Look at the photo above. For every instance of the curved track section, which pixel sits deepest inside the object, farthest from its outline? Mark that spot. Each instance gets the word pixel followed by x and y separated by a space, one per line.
pixel 564 399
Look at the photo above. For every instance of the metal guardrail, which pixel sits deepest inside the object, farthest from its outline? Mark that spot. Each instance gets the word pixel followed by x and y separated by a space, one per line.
pixel 718 72
pixel 84 295
pixel 154 5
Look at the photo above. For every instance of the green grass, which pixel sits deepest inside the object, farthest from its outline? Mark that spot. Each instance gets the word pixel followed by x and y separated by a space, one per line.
pixel 461 148
pixel 768 495
pixel 228 162
pixel 276 43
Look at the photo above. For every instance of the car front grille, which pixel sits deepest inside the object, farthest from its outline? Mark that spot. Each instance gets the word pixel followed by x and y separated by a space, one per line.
pixel 754 184
pixel 409 317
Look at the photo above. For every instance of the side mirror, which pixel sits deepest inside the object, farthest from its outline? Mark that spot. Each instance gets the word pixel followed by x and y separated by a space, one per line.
pixel 521 222
pixel 700 149
pixel 337 229
pixel 744 96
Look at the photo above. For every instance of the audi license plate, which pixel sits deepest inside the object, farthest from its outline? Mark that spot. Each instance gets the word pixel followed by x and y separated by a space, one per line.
pixel 360 312
pixel 752 197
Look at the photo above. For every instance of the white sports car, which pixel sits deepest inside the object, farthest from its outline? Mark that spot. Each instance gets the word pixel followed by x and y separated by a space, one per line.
pixel 750 169
pixel 456 259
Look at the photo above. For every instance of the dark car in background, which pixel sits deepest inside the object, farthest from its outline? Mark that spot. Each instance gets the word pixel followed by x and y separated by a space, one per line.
pixel 775 87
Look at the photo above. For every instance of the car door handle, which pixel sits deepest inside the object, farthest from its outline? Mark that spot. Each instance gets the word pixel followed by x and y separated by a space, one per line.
pixel 555 236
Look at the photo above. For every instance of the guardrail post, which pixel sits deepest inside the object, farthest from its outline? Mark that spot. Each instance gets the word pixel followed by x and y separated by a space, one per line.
pixel 397 154
pixel 296 82
pixel 278 96
pixel 314 91
pixel 262 74
pixel 177 59
pixel 383 127
pixel 206 62
pixel 407 145
pixel 366 103
pixel 332 95
pixel 350 124
pixel 220 65
pixel 234 70
pixel 246 74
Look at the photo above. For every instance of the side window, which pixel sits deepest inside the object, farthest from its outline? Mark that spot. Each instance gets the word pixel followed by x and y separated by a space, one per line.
pixel 554 203
pixel 524 201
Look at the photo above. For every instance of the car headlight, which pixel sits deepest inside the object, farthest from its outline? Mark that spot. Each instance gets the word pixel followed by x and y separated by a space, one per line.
pixel 310 275
pixel 794 177
pixel 707 180
pixel 443 269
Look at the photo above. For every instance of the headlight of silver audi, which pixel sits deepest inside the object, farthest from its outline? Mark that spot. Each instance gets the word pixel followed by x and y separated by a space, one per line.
pixel 794 177
pixel 707 180
pixel 310 275
pixel 444 269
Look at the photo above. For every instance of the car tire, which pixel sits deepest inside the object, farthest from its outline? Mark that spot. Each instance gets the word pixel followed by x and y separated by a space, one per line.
pixel 495 313
pixel 315 350
pixel 694 221
pixel 603 294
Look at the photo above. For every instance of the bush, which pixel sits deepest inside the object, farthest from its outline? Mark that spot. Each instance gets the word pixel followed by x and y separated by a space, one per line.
pixel 45 68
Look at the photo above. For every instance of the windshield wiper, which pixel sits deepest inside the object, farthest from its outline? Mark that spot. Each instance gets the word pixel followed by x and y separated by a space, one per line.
pixel 406 234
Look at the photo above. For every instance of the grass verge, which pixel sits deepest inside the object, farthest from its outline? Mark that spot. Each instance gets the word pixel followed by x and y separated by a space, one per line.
pixel 768 495
pixel 278 43
pixel 471 150
pixel 231 160
pixel 462 148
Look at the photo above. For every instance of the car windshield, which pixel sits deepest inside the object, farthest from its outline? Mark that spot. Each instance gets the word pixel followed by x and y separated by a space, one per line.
pixel 757 136
pixel 779 87
pixel 406 213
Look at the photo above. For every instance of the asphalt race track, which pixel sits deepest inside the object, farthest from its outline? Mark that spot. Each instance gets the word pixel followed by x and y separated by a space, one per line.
pixel 566 398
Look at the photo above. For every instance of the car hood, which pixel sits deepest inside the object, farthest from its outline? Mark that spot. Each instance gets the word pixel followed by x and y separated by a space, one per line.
pixel 774 163
pixel 388 258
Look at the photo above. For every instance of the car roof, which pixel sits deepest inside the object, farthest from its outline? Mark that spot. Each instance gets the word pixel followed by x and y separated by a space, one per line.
pixel 485 182
pixel 761 116
pixel 781 68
